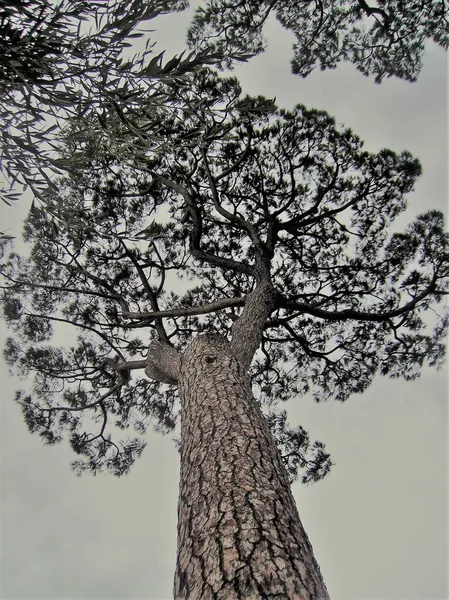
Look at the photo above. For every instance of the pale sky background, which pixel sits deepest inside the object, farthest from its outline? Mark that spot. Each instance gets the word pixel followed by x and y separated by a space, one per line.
pixel 377 523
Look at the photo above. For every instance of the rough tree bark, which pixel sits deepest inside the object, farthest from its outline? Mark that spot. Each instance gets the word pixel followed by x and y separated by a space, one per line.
pixel 239 532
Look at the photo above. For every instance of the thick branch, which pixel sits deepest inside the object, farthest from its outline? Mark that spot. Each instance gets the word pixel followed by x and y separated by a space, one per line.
pixel 185 312
pixel 220 261
pixel 247 330
pixel 163 363
pixel 130 365
pixel 123 368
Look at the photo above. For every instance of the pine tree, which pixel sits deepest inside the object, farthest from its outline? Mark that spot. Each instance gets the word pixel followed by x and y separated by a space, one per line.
pixel 253 252
pixel 383 39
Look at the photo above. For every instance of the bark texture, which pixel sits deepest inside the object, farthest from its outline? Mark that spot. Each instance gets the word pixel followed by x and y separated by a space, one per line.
pixel 239 533
pixel 247 330
pixel 163 362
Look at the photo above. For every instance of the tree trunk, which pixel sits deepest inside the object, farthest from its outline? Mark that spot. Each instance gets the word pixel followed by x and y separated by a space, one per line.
pixel 239 533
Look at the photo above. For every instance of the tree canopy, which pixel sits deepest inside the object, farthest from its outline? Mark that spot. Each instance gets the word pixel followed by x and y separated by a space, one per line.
pixel 68 59
pixel 240 186
pixel 382 39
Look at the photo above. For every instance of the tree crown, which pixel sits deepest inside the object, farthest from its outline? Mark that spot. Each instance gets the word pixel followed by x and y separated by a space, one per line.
pixel 243 195
pixel 384 40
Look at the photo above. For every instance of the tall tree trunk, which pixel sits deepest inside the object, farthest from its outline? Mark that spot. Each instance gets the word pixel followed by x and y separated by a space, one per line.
pixel 239 533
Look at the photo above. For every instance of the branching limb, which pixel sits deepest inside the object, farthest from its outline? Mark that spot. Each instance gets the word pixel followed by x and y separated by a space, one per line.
pixel 56 288
pixel 355 315
pixel 195 234
pixel 247 330
pixel 184 312
pixel 232 168
pixel 374 10
pixel 151 295
pixel 238 222
pixel 102 284
pixel 103 426
pixel 104 337
pixel 80 408
pixel 292 225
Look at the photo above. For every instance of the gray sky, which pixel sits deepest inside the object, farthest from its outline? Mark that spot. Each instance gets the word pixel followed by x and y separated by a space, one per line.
pixel 378 522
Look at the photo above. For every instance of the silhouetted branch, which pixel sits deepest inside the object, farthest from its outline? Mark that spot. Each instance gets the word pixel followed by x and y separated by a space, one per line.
pixel 184 312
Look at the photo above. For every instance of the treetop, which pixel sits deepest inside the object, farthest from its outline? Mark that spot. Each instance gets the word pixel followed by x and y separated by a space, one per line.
pixel 274 218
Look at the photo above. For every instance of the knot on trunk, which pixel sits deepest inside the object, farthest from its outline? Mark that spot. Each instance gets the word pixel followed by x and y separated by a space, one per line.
pixel 210 354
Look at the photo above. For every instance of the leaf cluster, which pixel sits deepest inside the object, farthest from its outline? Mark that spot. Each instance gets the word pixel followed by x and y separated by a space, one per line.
pixel 382 39
pixel 73 60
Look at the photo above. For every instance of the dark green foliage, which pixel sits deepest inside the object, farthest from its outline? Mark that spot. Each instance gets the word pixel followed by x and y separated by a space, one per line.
pixel 383 39
pixel 234 179
pixel 69 59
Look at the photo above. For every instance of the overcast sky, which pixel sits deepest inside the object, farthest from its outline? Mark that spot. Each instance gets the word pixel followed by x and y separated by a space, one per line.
pixel 377 523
